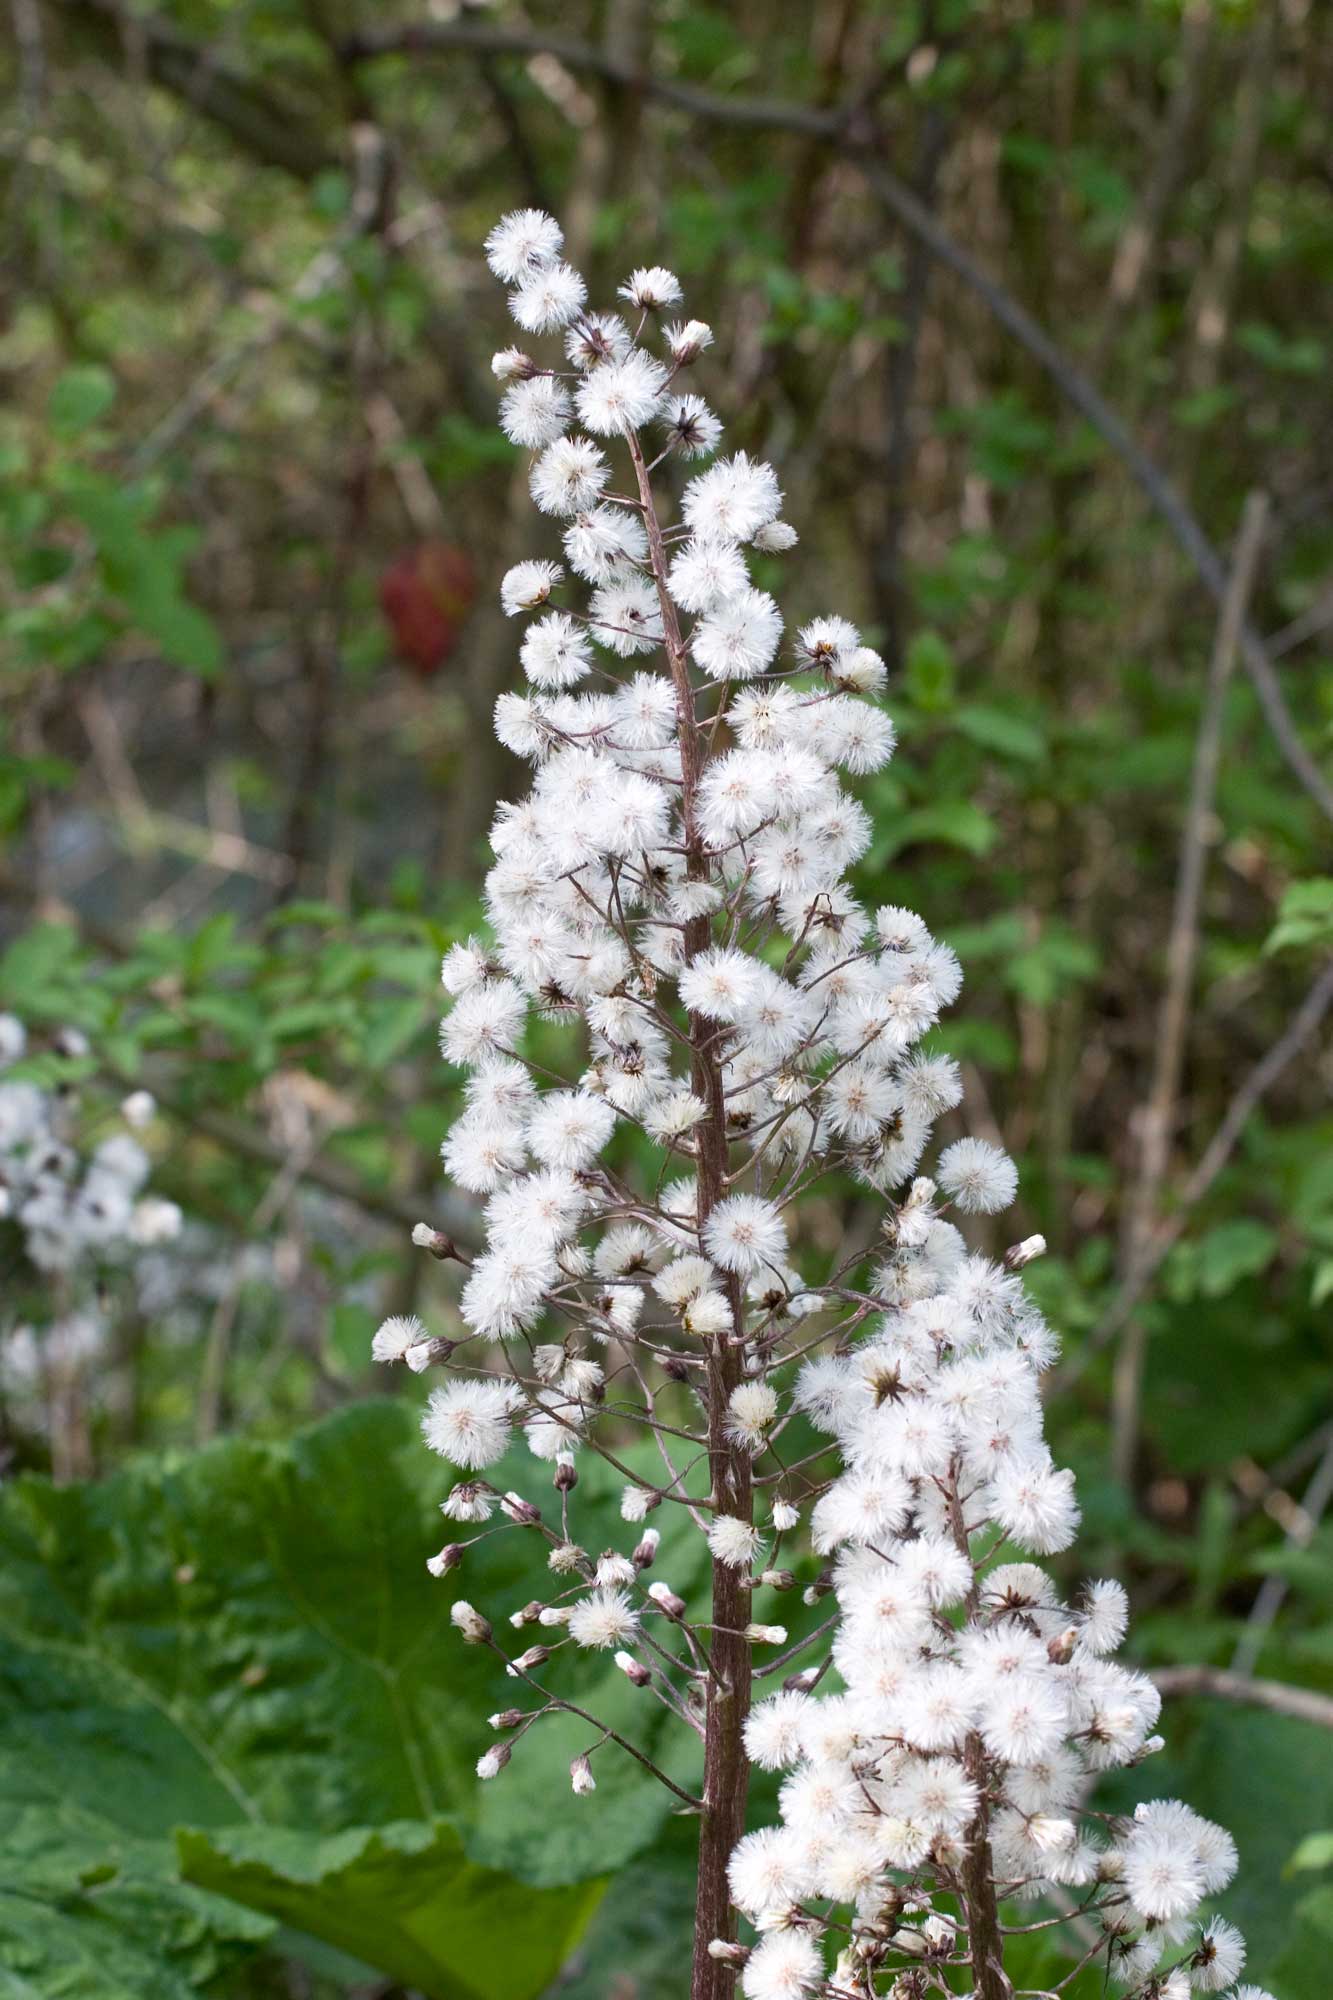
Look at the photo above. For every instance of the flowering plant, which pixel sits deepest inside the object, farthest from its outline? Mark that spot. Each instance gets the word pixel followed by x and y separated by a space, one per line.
pixel 78 1213
pixel 674 887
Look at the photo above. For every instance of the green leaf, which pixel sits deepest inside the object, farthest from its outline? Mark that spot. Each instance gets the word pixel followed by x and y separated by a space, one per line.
pixel 928 672
pixel 1057 960
pixel 403 1898
pixel 954 822
pixel 1304 917
pixel 39 970
pixel 388 1027
pixel 1000 730
pixel 80 396
pixel 188 637
pixel 1233 1251
pixel 247 1641
pixel 1315 1851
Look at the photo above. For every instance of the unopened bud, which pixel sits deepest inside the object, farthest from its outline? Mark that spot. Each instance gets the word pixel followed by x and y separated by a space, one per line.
pixel 766 1635
pixel 429 1353
pixel 474 1628
pixel 536 1656
pixel 633 1670
pixel 492 1762
pixel 520 1510
pixel 527 1614
pixel 728 1951
pixel 450 1556
pixel 801 1683
pixel 1019 1254
pixel 677 1369
pixel 778 1579
pixel 581 1777
pixel 1060 1649
pixel 553 1614
pixel 566 1474
pixel 511 364
pixel 646 1552
pixel 689 341
pixel 508 1718
pixel 666 1600
pixel 427 1237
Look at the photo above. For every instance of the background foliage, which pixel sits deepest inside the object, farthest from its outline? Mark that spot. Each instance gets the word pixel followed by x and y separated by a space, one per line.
pixel 253 509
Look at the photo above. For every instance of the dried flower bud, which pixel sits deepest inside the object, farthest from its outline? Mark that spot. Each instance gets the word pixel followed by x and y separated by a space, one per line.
pixel 688 341
pixel 636 1502
pixel 666 1600
pixel 424 1354
pixel 1060 1649
pixel 1023 1253
pixel 450 1556
pixel 511 364
pixel 566 1473
pixel 474 1628
pixel 728 1951
pixel 508 1718
pixel 633 1670
pixel 427 1237
pixel 645 1553
pixel 520 1510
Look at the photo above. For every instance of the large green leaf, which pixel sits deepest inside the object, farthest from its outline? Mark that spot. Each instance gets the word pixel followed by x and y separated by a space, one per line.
pixel 88 1912
pixel 402 1897
pixel 246 1641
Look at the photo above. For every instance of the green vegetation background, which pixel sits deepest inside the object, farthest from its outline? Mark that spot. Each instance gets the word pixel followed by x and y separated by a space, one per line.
pixel 253 511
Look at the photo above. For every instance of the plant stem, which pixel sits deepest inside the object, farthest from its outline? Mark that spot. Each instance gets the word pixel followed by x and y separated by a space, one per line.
pixel 980 1911
pixel 726 1770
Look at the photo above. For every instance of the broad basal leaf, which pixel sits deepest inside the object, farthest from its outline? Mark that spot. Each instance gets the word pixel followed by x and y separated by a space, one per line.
pixel 402 1897
pixel 247 1641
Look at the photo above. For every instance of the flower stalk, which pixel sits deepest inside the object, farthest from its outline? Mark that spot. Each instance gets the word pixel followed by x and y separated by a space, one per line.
pixel 677 887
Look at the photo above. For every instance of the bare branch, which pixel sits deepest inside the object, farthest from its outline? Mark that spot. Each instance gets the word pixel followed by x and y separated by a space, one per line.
pixel 1279 1697
pixel 1218 1151
pixel 1172 1031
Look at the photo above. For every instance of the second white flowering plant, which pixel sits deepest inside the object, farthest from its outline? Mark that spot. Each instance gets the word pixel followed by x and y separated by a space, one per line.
pixel 674 884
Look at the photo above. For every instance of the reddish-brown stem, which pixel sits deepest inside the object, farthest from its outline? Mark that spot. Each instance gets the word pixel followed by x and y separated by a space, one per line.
pixel 726 1771
pixel 981 1914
